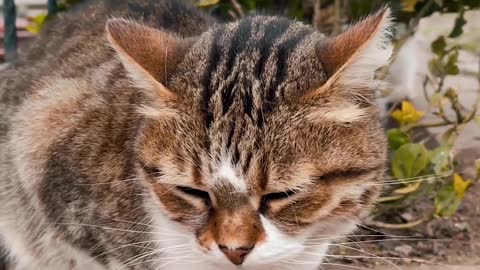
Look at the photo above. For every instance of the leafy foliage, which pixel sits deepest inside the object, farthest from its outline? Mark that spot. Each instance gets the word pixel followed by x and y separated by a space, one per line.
pixel 450 196
pixel 409 161
pixel 432 169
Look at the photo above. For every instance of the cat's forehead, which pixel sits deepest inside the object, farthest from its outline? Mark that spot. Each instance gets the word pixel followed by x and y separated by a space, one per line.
pixel 260 32
pixel 259 48
pixel 247 68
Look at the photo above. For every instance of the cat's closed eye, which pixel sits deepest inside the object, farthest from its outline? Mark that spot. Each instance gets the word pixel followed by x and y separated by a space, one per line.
pixel 196 193
pixel 276 196
pixel 269 198
pixel 346 174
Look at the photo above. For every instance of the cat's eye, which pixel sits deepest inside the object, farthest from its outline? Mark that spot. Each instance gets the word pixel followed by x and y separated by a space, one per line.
pixel 275 196
pixel 272 197
pixel 353 173
pixel 197 193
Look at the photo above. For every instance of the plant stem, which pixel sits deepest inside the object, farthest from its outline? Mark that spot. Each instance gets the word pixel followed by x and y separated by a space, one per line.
pixel 414 22
pixel 384 225
pixel 427 125
pixel 337 23
pixel 238 8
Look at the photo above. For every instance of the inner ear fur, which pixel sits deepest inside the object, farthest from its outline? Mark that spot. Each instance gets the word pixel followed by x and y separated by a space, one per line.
pixel 149 55
pixel 351 58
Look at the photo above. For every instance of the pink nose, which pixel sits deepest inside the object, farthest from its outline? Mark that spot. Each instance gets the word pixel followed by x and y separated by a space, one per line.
pixel 236 255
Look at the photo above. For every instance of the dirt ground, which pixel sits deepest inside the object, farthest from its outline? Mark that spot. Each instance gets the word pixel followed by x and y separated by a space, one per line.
pixel 441 244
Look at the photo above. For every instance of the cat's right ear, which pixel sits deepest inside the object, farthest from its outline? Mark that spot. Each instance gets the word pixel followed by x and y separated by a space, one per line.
pixel 149 55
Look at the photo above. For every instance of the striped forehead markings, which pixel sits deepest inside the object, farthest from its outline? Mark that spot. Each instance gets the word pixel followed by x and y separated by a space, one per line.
pixel 242 39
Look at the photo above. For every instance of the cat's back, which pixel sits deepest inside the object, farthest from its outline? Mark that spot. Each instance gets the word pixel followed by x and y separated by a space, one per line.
pixel 73 48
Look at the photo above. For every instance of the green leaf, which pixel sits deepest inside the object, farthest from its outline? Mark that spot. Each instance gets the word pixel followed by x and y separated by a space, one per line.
pixel 458 26
pixel 446 201
pixel 436 67
pixel 451 67
pixel 450 196
pixel 397 138
pixel 440 159
pixel 449 136
pixel 409 161
pixel 438 46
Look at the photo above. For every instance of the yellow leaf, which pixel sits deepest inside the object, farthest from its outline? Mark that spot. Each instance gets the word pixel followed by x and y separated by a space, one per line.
pixel 460 185
pixel 408 114
pixel 408 189
pixel 206 3
pixel 390 198
pixel 409 5
pixel 36 23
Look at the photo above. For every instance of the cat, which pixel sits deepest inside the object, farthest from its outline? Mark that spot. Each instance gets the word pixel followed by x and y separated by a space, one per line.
pixel 169 140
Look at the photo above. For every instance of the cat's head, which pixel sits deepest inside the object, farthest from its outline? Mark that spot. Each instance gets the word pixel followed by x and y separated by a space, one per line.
pixel 261 138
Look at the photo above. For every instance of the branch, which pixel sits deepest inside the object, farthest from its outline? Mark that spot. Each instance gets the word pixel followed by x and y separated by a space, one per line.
pixel 317 20
pixel 414 22
pixel 384 225
pixel 427 125
pixel 238 8
pixel 337 23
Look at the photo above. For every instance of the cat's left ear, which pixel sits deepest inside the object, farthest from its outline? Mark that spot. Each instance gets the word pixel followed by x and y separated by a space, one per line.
pixel 149 55
pixel 351 58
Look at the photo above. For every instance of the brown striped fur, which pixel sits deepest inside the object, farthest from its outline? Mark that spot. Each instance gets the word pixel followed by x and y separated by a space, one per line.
pixel 243 140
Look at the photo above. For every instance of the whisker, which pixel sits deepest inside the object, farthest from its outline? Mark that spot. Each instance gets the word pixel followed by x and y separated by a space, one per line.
pixel 414 239
pixel 129 262
pixel 147 225
pixel 165 264
pixel 368 253
pixel 130 245
pixel 185 260
pixel 118 229
pixel 344 265
pixel 415 179
pixel 333 237
pixel 325 263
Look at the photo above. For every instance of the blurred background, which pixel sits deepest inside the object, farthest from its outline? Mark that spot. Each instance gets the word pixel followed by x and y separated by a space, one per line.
pixel 429 214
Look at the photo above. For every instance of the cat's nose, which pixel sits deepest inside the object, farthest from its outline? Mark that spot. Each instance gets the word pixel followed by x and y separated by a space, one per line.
pixel 236 255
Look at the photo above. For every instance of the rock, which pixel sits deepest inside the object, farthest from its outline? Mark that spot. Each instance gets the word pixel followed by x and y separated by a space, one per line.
pixel 408 217
pixel 404 250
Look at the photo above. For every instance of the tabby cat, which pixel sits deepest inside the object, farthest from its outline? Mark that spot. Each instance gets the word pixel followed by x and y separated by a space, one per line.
pixel 168 140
